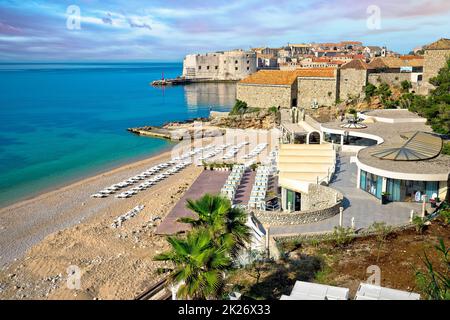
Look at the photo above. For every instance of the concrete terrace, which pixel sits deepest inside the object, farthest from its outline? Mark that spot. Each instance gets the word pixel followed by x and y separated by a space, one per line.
pixel 245 188
pixel 208 182
pixel 365 208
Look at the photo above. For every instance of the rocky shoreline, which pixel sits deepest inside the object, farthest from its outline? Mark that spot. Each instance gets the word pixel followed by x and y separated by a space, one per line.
pixel 212 126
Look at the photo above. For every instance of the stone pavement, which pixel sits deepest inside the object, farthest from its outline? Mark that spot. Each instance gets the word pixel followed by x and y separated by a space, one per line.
pixel 365 208
pixel 244 189
pixel 209 181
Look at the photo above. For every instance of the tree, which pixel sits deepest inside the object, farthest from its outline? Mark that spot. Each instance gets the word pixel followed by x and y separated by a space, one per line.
pixel 240 107
pixel 436 106
pixel 226 224
pixel 370 90
pixel 382 231
pixel 406 85
pixel 199 264
pixel 384 91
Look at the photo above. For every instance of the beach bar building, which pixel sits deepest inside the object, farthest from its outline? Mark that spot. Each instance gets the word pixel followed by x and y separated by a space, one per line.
pixel 397 155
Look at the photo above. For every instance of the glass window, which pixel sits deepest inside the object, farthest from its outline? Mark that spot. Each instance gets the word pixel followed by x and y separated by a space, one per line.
pixel 432 188
pixel 332 137
pixel 362 180
pixel 393 187
pixel 371 183
pixel 358 141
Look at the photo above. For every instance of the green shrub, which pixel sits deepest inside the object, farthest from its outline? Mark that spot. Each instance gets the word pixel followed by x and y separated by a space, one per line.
pixel 445 214
pixel 352 111
pixel 273 109
pixel 436 106
pixel 390 104
pixel 342 236
pixel 435 284
pixel 406 85
pixel 240 107
pixel 382 230
pixel 370 90
pixel 384 91
pixel 446 148
pixel 419 223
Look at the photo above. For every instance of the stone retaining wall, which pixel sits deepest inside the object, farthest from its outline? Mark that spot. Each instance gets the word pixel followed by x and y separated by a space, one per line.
pixel 391 78
pixel 273 218
pixel 320 203
pixel 218 114
pixel 324 236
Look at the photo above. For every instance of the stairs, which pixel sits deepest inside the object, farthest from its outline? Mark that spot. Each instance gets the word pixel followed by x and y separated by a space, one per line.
pixel 310 163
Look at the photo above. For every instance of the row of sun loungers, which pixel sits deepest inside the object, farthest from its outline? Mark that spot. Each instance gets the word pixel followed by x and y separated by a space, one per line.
pixel 259 189
pixel 127 216
pixel 213 151
pixel 152 181
pixel 126 183
pixel 256 151
pixel 233 181
pixel 234 150
pixel 194 152
pixel 315 291
pixel 271 160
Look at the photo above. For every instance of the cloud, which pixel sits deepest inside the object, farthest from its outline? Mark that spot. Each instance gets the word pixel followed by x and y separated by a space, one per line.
pixel 8 29
pixel 107 19
pixel 169 29
pixel 137 23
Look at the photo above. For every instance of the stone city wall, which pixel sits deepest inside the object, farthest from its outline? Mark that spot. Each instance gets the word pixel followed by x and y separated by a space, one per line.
pixel 264 96
pixel 433 61
pixel 391 78
pixel 352 83
pixel 322 90
pixel 228 65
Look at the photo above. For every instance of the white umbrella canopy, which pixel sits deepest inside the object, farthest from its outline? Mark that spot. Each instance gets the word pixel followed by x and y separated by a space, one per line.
pixel 353 125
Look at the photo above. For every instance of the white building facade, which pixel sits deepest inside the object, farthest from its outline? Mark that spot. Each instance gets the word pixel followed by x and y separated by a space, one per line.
pixel 220 66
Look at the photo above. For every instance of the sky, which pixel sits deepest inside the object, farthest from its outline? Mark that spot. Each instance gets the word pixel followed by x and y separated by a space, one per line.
pixel 166 30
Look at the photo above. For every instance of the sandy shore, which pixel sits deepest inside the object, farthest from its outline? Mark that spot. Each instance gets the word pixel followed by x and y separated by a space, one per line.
pixel 41 237
pixel 66 227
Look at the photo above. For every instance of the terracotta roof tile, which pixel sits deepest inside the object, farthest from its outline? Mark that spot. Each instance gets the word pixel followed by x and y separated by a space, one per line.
pixel 351 42
pixel 410 57
pixel 393 62
pixel 355 64
pixel 282 77
pixel 441 44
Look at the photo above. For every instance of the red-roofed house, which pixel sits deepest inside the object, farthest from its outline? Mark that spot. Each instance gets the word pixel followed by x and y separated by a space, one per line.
pixel 285 89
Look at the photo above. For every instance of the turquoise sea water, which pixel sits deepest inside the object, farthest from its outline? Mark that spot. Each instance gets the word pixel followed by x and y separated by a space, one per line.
pixel 62 122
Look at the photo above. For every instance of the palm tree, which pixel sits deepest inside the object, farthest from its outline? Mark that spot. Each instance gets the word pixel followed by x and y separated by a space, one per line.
pixel 227 224
pixel 199 264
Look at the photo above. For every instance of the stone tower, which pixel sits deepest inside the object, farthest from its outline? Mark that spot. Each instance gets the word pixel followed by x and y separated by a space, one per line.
pixel 352 79
pixel 435 57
